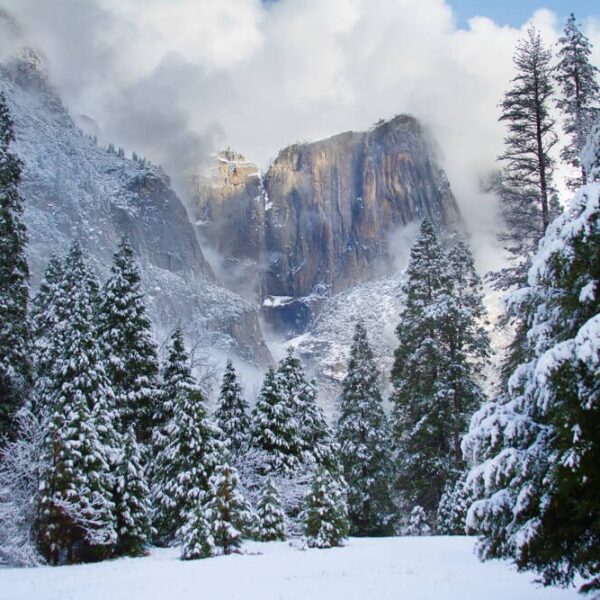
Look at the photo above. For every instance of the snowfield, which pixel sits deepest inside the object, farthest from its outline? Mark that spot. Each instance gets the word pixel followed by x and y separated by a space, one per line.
pixel 418 568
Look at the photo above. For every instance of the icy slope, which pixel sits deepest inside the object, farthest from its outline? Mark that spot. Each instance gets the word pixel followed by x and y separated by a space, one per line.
pixel 426 568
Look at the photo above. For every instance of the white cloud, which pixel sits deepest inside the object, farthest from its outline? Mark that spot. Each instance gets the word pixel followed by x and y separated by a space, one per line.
pixel 172 78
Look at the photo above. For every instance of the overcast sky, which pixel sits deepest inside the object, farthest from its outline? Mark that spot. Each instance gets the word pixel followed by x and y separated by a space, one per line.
pixel 176 79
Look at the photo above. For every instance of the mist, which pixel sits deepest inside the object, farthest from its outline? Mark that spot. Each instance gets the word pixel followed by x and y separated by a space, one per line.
pixel 177 80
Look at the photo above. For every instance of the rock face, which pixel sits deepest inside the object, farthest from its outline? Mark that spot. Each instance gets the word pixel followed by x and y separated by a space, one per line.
pixel 321 218
pixel 77 190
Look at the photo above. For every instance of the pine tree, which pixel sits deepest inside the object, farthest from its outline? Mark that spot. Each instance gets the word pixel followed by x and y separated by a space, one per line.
pixel 76 504
pixel 232 414
pixel 535 448
pixel 175 377
pixel 364 438
pixel 577 79
pixel 422 401
pixel 227 511
pixel 271 516
pixel 126 338
pixel 468 345
pixel 417 524
pixel 526 185
pixel 15 369
pixel 46 314
pixel 452 510
pixel 275 428
pixel 314 433
pixel 197 539
pixel 188 449
pixel 325 514
pixel 132 499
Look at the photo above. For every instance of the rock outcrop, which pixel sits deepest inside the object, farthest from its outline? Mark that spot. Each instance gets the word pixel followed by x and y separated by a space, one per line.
pixel 321 219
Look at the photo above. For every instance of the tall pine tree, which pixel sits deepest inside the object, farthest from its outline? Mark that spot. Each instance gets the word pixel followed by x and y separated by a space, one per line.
pixel 76 505
pixel 15 369
pixel 580 100
pixel 126 338
pixel 232 414
pixel 422 401
pixel 188 448
pixel 364 440
pixel 527 167
pixel 535 449
pixel 275 428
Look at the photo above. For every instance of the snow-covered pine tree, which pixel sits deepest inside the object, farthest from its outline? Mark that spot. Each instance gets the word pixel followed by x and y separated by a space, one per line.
pixel 227 511
pixel 325 514
pixel 417 524
pixel 270 514
pixel 175 375
pixel 580 99
pixel 467 342
pixel 315 434
pixel 76 504
pixel 189 447
pixel 452 511
pixel 364 441
pixel 132 499
pixel 46 313
pixel 535 449
pixel 527 167
pixel 126 339
pixel 275 428
pixel 196 536
pixel 423 401
pixel 232 414
pixel 15 368
pixel 21 466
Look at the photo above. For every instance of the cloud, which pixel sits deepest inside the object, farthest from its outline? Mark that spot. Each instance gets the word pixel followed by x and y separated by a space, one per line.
pixel 174 79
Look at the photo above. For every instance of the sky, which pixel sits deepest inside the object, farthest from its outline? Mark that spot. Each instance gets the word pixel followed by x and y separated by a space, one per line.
pixel 178 79
pixel 516 12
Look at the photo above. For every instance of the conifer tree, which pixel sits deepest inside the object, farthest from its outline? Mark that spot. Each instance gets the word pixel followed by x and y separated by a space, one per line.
pixel 227 511
pixel 132 499
pixel 467 341
pixel 15 368
pixel 535 448
pixel 46 313
pixel 275 427
pixel 271 516
pixel 418 522
pixel 452 510
pixel 232 414
pixel 325 514
pixel 196 535
pixel 580 100
pixel 126 338
pixel 315 435
pixel 364 438
pixel 526 184
pixel 422 401
pixel 76 505
pixel 437 367
pixel 188 450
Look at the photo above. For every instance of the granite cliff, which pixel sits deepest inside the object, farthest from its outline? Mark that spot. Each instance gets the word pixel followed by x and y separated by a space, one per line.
pixel 321 219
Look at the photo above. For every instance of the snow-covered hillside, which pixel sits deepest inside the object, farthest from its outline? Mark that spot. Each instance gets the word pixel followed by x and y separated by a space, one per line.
pixel 75 189
pixel 422 568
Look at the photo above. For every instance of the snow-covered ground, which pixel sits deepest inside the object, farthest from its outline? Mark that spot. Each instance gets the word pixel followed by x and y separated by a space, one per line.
pixel 426 568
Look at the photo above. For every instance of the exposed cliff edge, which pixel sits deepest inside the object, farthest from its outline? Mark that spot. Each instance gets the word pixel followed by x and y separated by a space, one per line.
pixel 321 218
pixel 75 189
